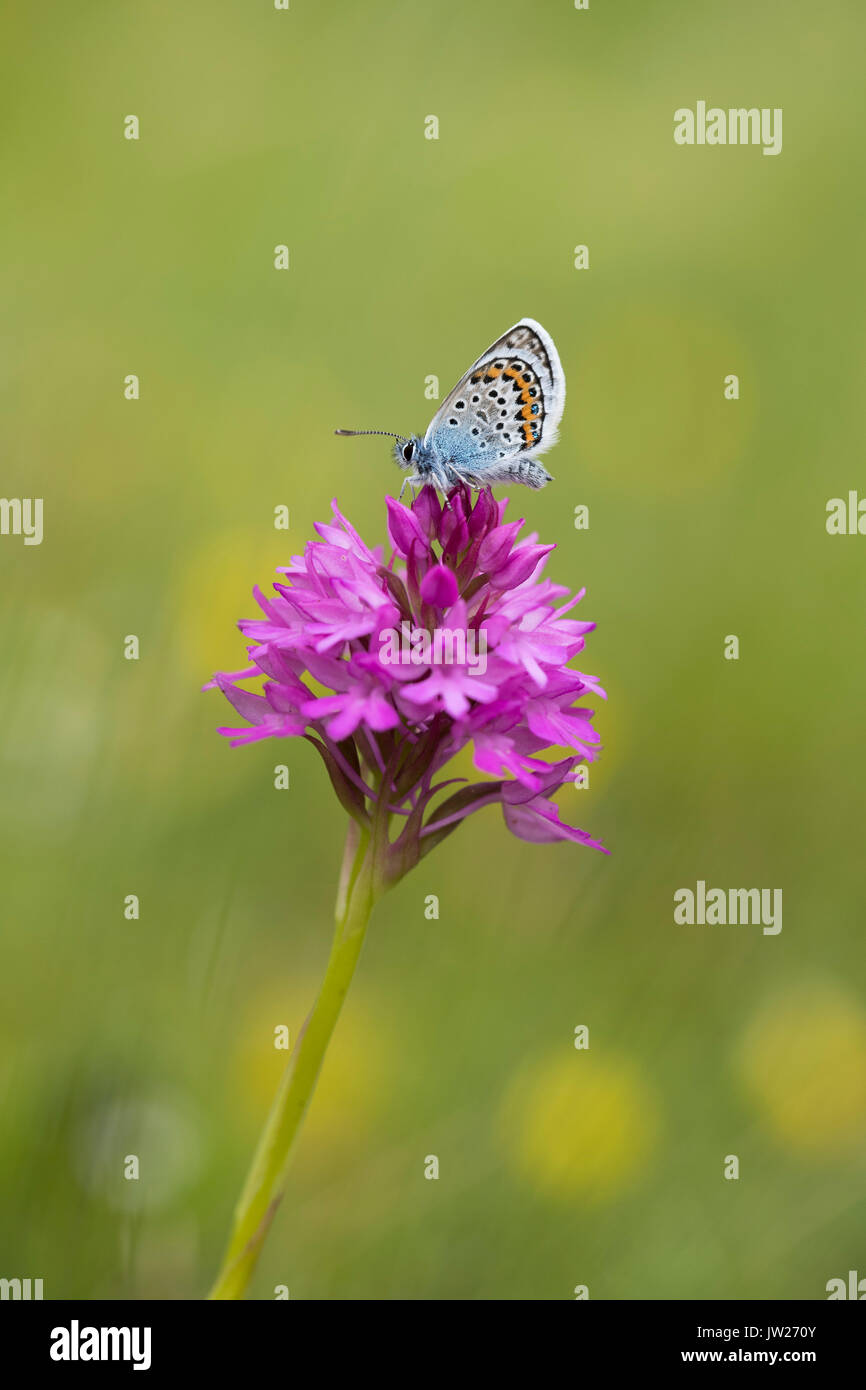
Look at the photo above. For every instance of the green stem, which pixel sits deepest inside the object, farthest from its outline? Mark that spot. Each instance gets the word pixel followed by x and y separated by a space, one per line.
pixel 266 1181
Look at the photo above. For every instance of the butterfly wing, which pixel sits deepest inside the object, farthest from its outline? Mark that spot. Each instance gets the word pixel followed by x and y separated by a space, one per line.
pixel 504 412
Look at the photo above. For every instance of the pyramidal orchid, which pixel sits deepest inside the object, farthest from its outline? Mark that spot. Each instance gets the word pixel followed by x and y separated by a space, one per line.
pixel 455 640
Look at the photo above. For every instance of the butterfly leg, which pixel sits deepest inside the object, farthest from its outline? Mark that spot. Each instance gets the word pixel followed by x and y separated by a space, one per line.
pixel 411 480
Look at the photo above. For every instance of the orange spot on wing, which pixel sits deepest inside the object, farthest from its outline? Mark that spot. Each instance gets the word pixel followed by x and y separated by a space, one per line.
pixel 524 383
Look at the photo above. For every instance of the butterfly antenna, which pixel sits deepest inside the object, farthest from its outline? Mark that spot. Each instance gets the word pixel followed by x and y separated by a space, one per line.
pixel 389 433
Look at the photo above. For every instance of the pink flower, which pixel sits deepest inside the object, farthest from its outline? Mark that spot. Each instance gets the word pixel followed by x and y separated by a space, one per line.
pixel 456 640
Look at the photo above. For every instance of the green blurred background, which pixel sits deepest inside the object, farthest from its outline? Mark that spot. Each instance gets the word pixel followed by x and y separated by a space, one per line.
pixel 707 517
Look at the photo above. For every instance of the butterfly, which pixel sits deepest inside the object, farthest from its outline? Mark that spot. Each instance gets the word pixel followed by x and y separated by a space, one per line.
pixel 501 415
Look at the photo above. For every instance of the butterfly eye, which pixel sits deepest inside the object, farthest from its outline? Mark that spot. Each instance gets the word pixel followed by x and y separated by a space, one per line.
pixel 409 451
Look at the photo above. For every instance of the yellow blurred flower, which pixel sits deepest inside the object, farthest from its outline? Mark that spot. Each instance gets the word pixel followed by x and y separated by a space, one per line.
pixel 580 1125
pixel 214 591
pixel 802 1061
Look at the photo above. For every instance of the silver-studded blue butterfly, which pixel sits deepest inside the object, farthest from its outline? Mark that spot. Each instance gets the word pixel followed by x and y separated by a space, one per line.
pixel 500 416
